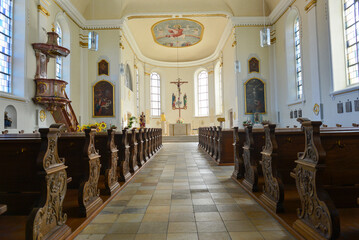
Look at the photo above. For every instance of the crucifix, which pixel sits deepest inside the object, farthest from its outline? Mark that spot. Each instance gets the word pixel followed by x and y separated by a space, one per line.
pixel 176 105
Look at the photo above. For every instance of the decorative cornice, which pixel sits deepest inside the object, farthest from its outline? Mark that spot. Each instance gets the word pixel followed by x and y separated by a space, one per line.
pixel 280 10
pixel 250 21
pixel 310 5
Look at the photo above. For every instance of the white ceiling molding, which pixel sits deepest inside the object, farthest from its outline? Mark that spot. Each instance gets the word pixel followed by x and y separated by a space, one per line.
pixel 249 21
pixel 226 33
pixel 103 24
pixel 279 10
pixel 72 11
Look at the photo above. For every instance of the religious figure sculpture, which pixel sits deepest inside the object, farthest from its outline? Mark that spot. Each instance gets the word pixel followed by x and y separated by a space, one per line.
pixel 142 120
pixel 173 101
pixel 7 120
pixel 185 101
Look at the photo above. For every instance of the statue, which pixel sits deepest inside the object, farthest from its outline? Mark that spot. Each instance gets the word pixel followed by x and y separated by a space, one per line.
pixel 185 101
pixel 173 101
pixel 7 120
pixel 142 120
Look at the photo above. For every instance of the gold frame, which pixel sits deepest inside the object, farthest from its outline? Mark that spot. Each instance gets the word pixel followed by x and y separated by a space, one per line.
pixel 93 99
pixel 98 68
pixel 259 65
pixel 154 36
pixel 245 96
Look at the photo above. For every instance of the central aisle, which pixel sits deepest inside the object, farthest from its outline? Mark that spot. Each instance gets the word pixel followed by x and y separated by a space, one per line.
pixel 182 194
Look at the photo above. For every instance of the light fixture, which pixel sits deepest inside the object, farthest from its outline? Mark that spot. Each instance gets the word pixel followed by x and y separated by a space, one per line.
pixel 93 41
pixel 93 36
pixel 265 31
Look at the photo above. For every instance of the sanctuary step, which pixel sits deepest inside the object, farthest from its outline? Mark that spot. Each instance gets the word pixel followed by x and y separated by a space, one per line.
pixel 193 138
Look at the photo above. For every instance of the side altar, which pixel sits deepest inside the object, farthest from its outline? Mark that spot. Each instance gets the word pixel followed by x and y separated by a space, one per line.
pixel 179 129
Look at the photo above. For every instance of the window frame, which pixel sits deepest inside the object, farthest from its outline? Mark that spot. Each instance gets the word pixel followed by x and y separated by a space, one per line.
pixel 198 112
pixel 11 51
pixel 58 60
pixel 298 83
pixel 157 94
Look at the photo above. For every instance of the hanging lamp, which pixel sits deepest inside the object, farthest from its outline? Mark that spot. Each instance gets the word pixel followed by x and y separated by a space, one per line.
pixel 93 36
pixel 265 31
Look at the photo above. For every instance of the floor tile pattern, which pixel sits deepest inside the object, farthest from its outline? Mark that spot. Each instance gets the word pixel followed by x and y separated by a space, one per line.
pixel 182 195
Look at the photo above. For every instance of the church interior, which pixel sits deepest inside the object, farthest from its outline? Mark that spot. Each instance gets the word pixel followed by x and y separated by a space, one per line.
pixel 167 119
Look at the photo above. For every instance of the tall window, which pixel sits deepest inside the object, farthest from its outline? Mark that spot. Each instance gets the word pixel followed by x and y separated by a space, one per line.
pixel 298 59
pixel 155 94
pixel 218 88
pixel 6 15
pixel 202 105
pixel 59 59
pixel 351 17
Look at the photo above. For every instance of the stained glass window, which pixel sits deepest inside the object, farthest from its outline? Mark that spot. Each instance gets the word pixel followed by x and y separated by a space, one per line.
pixel 6 14
pixel 155 94
pixel 59 59
pixel 298 59
pixel 202 94
pixel 351 18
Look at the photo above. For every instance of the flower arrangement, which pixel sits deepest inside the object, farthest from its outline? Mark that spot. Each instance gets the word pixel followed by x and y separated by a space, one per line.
pixel 131 121
pixel 180 121
pixel 248 122
pixel 100 127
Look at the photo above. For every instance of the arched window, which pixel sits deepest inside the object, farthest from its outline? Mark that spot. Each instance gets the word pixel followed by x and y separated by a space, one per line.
pixel 351 26
pixel 59 74
pixel 155 94
pixel 6 22
pixel 298 59
pixel 218 88
pixel 201 89
pixel 128 79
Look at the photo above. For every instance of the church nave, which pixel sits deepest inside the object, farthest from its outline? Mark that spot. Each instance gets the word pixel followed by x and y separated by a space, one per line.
pixel 182 194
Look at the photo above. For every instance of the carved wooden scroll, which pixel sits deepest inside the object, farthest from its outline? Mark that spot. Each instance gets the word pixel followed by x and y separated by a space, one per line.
pixel 215 144
pixel 317 216
pixel 273 189
pixel 133 152
pixel 219 144
pixel 111 183
pixel 140 160
pixel 89 193
pixel 47 220
pixel 238 172
pixel 144 144
pixel 124 169
pixel 250 175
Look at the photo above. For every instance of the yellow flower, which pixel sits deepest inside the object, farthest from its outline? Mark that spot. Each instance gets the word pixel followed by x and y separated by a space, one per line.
pixel 103 125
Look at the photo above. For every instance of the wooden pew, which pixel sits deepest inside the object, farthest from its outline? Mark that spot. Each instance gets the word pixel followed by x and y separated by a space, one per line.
pixel 254 141
pixel 121 141
pixel 140 147
pixel 326 176
pixel 238 141
pixel 146 156
pixel 133 150
pixel 105 143
pixel 34 180
pixel 84 168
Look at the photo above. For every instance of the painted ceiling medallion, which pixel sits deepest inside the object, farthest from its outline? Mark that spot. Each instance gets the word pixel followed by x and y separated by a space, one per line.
pixel 177 33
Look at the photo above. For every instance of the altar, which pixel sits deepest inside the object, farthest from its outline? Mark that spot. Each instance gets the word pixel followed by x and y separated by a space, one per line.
pixel 180 129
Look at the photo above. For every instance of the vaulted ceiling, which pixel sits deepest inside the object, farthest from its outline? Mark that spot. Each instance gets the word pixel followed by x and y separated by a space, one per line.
pixel 141 15
pixel 114 9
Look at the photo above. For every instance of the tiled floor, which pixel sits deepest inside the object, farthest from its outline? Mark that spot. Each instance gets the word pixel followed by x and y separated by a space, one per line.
pixel 182 194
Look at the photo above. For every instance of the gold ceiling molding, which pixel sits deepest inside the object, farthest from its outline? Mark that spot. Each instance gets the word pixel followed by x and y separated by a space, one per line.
pixel 254 25
pixel 41 9
pixel 83 44
pixel 149 16
pixel 290 5
pixel 310 5
pixel 273 40
pixel 206 15
pixel 234 43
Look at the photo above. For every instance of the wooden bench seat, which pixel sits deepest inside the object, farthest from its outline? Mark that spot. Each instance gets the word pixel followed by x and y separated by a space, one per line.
pixel 33 172
pixel 84 167
pixel 121 140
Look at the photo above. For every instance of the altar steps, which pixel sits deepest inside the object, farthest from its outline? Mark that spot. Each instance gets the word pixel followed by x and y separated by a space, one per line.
pixel 192 138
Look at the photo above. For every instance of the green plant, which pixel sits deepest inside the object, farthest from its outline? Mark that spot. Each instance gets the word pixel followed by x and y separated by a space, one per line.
pixel 131 121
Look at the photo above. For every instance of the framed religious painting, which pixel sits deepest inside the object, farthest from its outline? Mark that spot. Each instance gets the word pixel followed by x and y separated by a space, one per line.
pixel 103 99
pixel 255 96
pixel 253 65
pixel 103 67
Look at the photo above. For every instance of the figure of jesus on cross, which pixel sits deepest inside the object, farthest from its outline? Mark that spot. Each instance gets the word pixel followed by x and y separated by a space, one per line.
pixel 177 105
